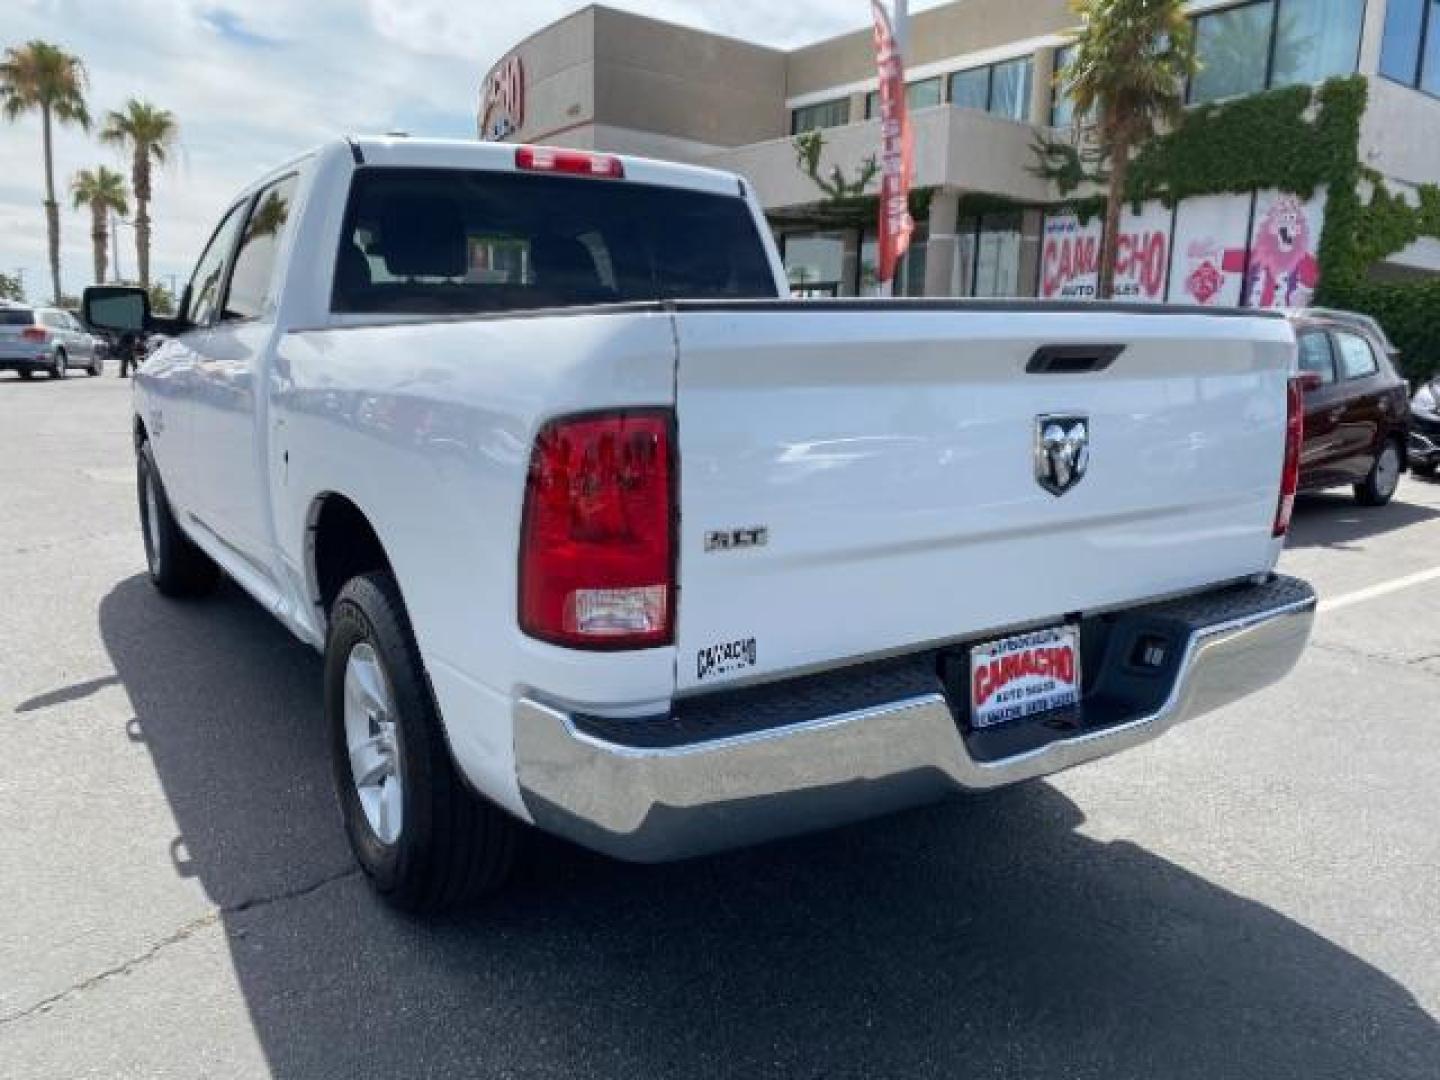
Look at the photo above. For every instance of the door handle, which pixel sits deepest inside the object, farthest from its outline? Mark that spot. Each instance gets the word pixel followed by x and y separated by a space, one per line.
pixel 1072 359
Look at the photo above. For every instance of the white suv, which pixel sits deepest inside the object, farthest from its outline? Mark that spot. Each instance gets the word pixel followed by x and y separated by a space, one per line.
pixel 46 339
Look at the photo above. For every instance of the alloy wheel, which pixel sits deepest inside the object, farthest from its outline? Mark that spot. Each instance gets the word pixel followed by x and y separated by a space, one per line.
pixel 152 524
pixel 1387 471
pixel 372 742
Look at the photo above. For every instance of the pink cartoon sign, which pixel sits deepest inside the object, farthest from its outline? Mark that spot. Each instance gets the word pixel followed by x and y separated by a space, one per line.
pixel 1284 270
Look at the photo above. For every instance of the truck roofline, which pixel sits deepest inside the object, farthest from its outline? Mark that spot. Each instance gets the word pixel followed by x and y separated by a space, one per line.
pixel 407 152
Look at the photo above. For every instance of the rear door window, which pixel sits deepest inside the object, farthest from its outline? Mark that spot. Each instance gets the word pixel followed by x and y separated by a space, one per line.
pixel 1316 356
pixel 16 317
pixel 250 292
pixel 1357 360
pixel 457 241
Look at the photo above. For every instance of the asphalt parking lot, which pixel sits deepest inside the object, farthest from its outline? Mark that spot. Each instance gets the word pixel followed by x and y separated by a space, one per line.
pixel 1257 895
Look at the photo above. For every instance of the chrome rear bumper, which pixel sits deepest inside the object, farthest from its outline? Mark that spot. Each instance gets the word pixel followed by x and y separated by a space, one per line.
pixel 652 804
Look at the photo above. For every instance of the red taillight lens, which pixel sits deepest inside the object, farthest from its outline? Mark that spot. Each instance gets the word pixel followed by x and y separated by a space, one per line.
pixel 1294 441
pixel 35 333
pixel 574 162
pixel 597 543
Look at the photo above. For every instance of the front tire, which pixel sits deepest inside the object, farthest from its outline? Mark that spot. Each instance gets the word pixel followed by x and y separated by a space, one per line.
pixel 423 839
pixel 1378 488
pixel 59 367
pixel 26 374
pixel 177 567
pixel 96 368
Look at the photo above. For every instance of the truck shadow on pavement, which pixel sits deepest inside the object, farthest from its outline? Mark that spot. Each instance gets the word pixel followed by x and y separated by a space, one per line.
pixel 986 937
pixel 1335 520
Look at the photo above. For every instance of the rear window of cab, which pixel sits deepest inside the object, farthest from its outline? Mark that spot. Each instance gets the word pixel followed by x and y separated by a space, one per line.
pixel 459 241
pixel 16 317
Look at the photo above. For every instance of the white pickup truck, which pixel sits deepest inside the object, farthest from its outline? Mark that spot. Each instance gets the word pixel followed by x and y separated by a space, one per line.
pixel 598 533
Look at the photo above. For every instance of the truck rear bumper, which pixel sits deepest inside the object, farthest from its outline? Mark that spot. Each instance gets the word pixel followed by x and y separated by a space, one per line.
pixel 653 803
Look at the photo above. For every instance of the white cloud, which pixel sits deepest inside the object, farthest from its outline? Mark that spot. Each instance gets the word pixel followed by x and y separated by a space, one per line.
pixel 257 81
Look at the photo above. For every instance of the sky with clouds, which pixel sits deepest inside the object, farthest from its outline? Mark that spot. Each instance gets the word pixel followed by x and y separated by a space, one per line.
pixel 254 82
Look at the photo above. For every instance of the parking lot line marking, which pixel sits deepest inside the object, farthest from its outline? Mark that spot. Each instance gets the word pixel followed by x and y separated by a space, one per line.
pixel 1383 589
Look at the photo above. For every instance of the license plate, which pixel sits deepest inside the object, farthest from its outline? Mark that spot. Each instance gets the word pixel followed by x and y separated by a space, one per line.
pixel 1025 675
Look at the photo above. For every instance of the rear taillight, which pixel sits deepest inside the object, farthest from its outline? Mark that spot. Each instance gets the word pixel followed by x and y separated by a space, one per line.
pixel 1294 441
pixel 574 162
pixel 597 541
pixel 35 333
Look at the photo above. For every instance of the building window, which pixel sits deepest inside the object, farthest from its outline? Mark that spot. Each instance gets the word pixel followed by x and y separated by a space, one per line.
pixel 918 95
pixel 987 256
pixel 1233 47
pixel 1250 47
pixel 997 256
pixel 1010 88
pixel 1400 48
pixel 1316 39
pixel 1430 62
pixel 826 114
pixel 925 94
pixel 1002 89
pixel 814 262
pixel 1062 109
pixel 971 89
pixel 1410 52
pixel 909 275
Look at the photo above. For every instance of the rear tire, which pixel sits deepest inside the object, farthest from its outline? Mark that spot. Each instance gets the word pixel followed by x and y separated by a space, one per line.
pixel 95 368
pixel 1378 488
pixel 424 840
pixel 177 567
pixel 59 368
pixel 26 374
pixel 1427 471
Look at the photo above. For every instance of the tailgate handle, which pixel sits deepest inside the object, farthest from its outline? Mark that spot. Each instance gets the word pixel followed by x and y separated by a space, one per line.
pixel 1072 359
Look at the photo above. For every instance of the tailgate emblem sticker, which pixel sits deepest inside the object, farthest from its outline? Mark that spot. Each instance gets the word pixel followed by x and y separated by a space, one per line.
pixel 734 539
pixel 1062 451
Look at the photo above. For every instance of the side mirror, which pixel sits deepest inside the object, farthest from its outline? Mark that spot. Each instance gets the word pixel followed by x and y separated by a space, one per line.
pixel 1310 380
pixel 122 308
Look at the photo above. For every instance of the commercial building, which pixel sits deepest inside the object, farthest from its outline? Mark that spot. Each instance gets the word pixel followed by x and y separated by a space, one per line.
pixel 981 93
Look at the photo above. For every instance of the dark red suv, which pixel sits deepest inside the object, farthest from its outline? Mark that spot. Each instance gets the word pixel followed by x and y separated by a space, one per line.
pixel 1357 409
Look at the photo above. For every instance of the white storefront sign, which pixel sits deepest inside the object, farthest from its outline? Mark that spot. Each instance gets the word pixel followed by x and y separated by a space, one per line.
pixel 1207 264
pixel 1070 256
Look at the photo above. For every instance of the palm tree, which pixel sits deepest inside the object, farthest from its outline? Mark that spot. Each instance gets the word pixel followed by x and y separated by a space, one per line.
pixel 1127 76
pixel 42 77
pixel 102 191
pixel 149 134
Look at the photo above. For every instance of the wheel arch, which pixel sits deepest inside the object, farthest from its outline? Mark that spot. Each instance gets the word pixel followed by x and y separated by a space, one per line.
pixel 341 542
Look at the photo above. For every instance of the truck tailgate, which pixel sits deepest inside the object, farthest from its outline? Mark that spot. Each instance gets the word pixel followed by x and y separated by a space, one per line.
pixel 857 480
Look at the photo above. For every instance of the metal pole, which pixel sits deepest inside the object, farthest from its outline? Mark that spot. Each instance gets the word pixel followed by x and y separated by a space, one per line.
pixel 115 274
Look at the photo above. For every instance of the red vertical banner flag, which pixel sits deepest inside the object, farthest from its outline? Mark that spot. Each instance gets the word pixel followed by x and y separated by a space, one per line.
pixel 897 147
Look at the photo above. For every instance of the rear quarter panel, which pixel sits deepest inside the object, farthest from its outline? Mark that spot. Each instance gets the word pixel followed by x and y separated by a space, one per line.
pixel 428 429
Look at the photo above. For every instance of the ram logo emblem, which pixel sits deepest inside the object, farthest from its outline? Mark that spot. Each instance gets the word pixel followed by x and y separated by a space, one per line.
pixel 1062 451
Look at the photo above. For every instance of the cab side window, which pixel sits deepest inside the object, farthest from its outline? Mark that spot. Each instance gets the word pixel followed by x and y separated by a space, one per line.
pixel 209 274
pixel 1316 356
pixel 250 293
pixel 1357 359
